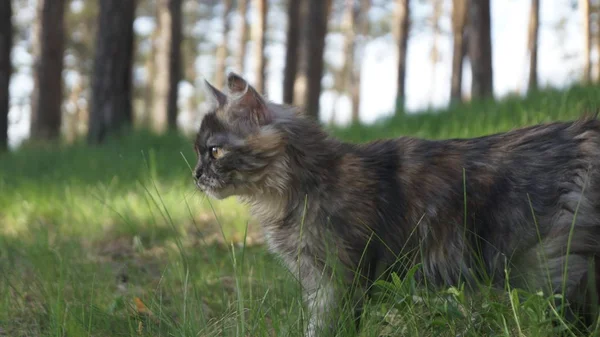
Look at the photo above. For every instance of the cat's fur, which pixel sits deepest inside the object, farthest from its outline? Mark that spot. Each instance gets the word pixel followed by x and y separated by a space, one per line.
pixel 401 201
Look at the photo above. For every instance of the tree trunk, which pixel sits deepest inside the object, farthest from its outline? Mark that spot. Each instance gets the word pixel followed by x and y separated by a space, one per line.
pixel 434 55
pixel 260 37
pixel 243 12
pixel 459 23
pixel 598 43
pixel 150 68
pixel 112 76
pixel 222 48
pixel 6 32
pixel 46 112
pixel 168 65
pixel 349 28
pixel 480 49
pixel 403 26
pixel 315 47
pixel 587 40
pixel 291 56
pixel 300 82
pixel 361 20
pixel 534 19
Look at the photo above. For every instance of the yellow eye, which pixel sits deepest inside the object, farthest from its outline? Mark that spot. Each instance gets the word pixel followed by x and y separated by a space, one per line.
pixel 216 152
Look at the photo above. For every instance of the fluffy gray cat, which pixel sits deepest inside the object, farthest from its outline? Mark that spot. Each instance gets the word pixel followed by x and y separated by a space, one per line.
pixel 361 211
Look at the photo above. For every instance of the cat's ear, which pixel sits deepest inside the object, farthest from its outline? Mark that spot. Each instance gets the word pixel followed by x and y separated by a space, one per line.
pixel 217 98
pixel 246 97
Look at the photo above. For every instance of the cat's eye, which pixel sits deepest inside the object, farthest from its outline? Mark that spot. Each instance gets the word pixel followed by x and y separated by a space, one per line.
pixel 216 152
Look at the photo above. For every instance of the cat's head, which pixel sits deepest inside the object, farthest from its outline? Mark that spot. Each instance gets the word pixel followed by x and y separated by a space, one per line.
pixel 238 146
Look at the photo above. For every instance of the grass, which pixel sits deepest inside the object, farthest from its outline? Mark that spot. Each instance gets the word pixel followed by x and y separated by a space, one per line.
pixel 115 241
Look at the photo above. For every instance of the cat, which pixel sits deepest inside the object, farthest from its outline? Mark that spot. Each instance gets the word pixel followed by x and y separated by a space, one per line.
pixel 384 206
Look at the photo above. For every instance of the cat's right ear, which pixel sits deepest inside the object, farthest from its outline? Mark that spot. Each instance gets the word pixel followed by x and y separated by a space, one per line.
pixel 217 98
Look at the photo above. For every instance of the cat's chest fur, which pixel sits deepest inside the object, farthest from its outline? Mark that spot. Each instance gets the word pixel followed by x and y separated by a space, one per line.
pixel 293 232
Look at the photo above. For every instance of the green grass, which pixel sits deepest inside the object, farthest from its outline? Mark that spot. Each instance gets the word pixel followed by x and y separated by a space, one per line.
pixel 88 232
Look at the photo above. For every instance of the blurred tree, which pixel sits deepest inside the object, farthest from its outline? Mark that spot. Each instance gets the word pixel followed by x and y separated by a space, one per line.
pixel 587 39
pixel 402 27
pixel 534 23
pixel 459 24
pixel 293 41
pixel 6 33
pixel 348 26
pixel 48 50
pixel 301 76
pixel 221 57
pixel 359 22
pixel 168 62
pixel 598 41
pixel 315 47
pixel 259 37
pixel 435 54
pixel 112 76
pixel 480 49
pixel 81 23
pixel 243 14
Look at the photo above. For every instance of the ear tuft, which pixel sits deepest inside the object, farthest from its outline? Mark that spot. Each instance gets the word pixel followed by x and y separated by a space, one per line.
pixel 219 99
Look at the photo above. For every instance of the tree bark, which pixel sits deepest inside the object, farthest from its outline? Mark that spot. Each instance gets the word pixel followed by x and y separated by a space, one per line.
pixel 112 76
pixel 349 28
pixel 291 56
pixel 598 43
pixel 168 65
pixel 361 20
pixel 260 37
pixel 222 49
pixel 534 19
pixel 459 23
pixel 46 112
pixel 300 82
pixel 480 49
pixel 243 12
pixel 587 40
pixel 403 26
pixel 6 32
pixel 315 47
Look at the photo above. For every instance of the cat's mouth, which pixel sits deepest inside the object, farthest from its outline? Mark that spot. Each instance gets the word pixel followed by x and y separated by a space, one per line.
pixel 213 191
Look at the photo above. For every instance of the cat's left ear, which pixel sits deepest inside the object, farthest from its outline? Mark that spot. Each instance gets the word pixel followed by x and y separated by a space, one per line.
pixel 216 97
pixel 247 98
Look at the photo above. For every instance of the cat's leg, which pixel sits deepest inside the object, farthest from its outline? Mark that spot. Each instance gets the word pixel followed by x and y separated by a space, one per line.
pixel 320 302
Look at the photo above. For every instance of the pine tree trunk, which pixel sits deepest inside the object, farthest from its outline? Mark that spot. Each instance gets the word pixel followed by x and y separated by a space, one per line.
pixel 112 76
pixel 349 29
pixel 291 55
pixel 534 19
pixel 598 43
pixel 434 55
pixel 587 40
pixel 6 32
pixel 260 37
pixel 315 46
pixel 403 26
pixel 222 48
pixel 300 82
pixel 243 13
pixel 46 112
pixel 480 49
pixel 459 23
pixel 362 23
pixel 150 68
pixel 168 65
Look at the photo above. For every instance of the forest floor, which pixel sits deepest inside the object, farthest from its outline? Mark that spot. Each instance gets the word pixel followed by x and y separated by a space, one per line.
pixel 116 241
